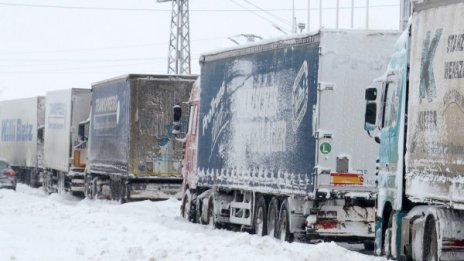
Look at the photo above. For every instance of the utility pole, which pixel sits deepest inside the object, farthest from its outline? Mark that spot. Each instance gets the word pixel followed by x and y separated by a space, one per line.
pixel 309 17
pixel 179 38
pixel 294 30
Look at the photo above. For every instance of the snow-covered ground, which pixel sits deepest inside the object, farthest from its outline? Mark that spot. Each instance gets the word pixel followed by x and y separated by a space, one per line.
pixel 35 226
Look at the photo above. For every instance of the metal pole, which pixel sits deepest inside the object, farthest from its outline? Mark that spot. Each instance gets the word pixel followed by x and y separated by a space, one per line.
pixel 309 16
pixel 338 13
pixel 320 13
pixel 293 18
pixel 352 14
pixel 367 14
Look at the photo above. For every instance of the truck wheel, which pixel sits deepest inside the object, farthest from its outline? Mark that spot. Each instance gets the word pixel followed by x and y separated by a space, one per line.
pixel 185 206
pixel 210 213
pixel 430 240
pixel 387 243
pixel 88 187
pixel 272 217
pixel 259 219
pixel 61 181
pixel 122 191
pixel 284 223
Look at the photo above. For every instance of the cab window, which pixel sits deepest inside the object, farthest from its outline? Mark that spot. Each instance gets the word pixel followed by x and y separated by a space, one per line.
pixel 391 105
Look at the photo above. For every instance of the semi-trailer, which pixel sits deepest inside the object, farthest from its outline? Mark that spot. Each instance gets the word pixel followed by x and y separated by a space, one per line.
pixel 64 110
pixel 131 153
pixel 415 111
pixel 273 143
pixel 21 137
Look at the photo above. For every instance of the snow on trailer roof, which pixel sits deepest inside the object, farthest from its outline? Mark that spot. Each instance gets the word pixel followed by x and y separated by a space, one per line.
pixel 148 76
pixel 281 42
pixel 72 89
pixel 22 99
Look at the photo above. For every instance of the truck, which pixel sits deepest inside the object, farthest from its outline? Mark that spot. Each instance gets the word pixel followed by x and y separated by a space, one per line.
pixel 131 153
pixel 273 144
pixel 415 111
pixel 21 137
pixel 64 110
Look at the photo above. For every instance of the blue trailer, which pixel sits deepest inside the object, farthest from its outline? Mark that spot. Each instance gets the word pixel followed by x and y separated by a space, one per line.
pixel 131 155
pixel 276 141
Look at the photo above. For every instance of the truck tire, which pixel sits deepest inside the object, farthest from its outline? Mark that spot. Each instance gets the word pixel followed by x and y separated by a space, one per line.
pixel 260 216
pixel 88 187
pixel 122 192
pixel 272 217
pixel 61 183
pixel 284 223
pixel 210 213
pixel 430 248
pixel 387 238
pixel 186 204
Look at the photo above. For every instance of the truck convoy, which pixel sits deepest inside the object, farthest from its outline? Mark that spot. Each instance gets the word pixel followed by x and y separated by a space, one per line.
pixel 273 143
pixel 131 153
pixel 21 137
pixel 416 113
pixel 64 110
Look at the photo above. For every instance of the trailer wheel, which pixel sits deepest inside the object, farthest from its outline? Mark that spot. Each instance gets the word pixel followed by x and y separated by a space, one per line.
pixel 61 183
pixel 210 213
pixel 186 203
pixel 94 188
pixel 272 217
pixel 430 240
pixel 284 223
pixel 122 192
pixel 260 216
pixel 88 187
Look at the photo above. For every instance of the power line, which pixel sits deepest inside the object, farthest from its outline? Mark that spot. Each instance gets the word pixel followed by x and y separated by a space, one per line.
pixel 253 11
pixel 129 9
pixel 106 48
pixel 269 13
pixel 168 10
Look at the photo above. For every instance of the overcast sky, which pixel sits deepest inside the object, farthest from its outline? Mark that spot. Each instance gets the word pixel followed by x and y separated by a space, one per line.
pixel 53 44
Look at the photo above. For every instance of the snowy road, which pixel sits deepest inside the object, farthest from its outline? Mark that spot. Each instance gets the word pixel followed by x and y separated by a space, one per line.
pixel 34 226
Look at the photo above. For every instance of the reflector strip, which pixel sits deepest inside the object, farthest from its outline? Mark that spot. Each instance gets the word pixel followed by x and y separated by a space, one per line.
pixel 346 179
pixel 450 244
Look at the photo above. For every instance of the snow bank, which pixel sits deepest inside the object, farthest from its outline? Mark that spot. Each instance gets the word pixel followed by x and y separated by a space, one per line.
pixel 35 226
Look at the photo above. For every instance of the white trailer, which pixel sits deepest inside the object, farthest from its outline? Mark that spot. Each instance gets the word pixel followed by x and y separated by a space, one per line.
pixel 65 109
pixel 21 137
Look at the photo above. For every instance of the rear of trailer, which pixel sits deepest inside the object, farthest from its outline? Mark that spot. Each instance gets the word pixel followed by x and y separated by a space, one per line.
pixel 280 123
pixel 65 109
pixel 132 154
pixel 21 137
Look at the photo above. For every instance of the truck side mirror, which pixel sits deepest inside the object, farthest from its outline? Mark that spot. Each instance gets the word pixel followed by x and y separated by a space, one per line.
pixel 371 94
pixel 176 121
pixel 370 117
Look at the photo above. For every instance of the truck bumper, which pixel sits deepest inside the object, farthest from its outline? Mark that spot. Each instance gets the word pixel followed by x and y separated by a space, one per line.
pixel 353 232
pixel 155 191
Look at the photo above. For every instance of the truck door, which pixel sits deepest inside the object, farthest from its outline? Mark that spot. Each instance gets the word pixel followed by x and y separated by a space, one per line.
pixel 391 139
